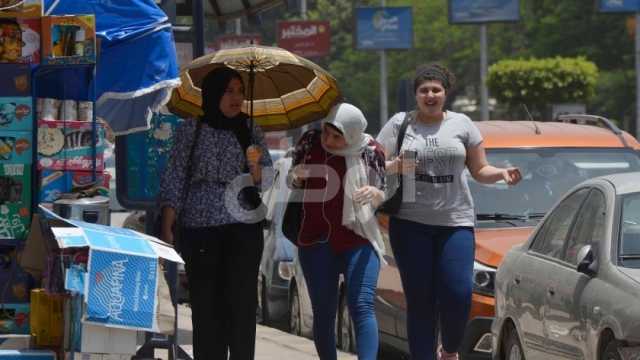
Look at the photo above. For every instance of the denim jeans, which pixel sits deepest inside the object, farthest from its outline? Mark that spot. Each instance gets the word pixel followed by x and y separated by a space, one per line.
pixel 436 268
pixel 322 269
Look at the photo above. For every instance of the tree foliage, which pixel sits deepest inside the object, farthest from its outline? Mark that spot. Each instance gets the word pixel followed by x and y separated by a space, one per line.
pixel 547 29
pixel 541 82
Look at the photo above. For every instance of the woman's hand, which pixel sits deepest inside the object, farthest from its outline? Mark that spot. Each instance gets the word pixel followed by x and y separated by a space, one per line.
pixel 511 175
pixel 168 219
pixel 400 165
pixel 254 153
pixel 368 195
pixel 300 175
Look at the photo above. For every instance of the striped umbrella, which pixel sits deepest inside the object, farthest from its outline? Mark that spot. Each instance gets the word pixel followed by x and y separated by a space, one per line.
pixel 285 91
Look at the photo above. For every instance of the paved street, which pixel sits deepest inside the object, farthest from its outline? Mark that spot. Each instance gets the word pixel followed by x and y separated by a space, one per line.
pixel 271 344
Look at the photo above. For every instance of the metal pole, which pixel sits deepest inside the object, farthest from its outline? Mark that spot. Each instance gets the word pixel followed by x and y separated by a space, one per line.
pixel 169 8
pixel 484 91
pixel 303 9
pixel 637 50
pixel 198 28
pixel 384 111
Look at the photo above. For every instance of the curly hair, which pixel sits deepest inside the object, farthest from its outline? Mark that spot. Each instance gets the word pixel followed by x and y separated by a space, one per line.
pixel 434 72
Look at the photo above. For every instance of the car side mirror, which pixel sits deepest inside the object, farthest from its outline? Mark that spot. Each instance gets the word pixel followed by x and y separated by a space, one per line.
pixel 586 261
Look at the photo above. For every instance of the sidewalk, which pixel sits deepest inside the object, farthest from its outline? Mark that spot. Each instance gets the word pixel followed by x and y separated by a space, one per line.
pixel 271 344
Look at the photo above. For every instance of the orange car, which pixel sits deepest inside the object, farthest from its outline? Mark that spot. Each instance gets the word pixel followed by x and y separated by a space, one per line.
pixel 553 157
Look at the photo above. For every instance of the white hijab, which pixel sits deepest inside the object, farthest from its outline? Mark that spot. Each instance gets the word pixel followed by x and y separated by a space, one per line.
pixel 360 219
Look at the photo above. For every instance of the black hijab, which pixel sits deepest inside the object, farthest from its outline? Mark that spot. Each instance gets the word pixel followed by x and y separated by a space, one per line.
pixel 213 87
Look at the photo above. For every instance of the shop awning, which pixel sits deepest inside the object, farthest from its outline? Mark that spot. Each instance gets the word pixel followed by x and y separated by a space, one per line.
pixel 137 66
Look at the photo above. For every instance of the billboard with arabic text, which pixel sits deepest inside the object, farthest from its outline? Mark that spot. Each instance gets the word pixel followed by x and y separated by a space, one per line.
pixel 305 38
pixel 483 11
pixel 380 28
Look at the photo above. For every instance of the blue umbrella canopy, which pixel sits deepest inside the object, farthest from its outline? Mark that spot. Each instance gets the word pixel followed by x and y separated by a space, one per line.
pixel 137 66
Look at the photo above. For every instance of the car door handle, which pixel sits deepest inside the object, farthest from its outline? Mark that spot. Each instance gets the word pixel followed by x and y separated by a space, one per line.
pixel 551 291
pixel 517 279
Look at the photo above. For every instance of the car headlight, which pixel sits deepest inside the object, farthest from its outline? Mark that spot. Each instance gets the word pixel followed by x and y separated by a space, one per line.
pixel 484 278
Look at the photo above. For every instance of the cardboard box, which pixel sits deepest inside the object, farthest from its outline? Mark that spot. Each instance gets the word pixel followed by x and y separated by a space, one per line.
pixel 15 200
pixel 15 319
pixel 15 80
pixel 20 39
pixel 67 145
pixel 16 113
pixel 27 355
pixel 106 340
pixel 16 147
pixel 54 183
pixel 15 342
pixel 95 339
pixel 21 9
pixel 69 39
pixel 33 258
pixel 123 274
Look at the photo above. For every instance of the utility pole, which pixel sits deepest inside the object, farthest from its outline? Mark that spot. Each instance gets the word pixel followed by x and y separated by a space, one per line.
pixel 384 111
pixel 303 9
pixel 484 91
pixel 198 28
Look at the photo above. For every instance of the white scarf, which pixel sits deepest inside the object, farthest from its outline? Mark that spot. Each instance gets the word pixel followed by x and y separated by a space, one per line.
pixel 361 219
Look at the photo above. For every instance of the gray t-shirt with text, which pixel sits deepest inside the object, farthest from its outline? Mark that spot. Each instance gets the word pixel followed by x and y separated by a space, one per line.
pixel 440 194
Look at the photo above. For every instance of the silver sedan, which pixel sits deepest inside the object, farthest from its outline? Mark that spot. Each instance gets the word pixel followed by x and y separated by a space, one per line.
pixel 573 290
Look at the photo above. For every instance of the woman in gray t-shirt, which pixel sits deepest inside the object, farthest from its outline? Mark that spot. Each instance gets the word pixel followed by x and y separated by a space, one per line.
pixel 432 232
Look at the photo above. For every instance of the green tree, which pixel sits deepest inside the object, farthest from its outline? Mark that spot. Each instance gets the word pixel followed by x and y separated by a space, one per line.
pixel 539 83
pixel 548 28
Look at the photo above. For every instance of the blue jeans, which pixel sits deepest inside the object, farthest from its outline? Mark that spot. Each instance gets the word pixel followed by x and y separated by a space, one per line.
pixel 436 268
pixel 322 269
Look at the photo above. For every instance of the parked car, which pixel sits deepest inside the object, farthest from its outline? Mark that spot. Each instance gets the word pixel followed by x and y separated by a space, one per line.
pixel 553 157
pixel 572 290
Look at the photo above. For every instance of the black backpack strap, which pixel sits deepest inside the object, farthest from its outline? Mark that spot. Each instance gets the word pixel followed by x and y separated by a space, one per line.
pixel 403 131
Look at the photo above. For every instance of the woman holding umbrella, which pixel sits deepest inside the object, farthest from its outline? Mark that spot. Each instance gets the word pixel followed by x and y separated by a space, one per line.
pixel 221 249
pixel 341 170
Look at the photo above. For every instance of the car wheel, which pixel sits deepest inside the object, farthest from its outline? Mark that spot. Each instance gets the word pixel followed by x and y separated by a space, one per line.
pixel 295 318
pixel 512 348
pixel 262 311
pixel 611 352
pixel 346 333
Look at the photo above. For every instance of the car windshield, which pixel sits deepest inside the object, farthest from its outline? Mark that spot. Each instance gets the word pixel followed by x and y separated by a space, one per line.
pixel 546 175
pixel 630 231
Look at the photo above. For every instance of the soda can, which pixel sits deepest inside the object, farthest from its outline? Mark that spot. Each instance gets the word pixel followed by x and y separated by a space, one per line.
pixel 50 109
pixel 85 111
pixel 69 110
